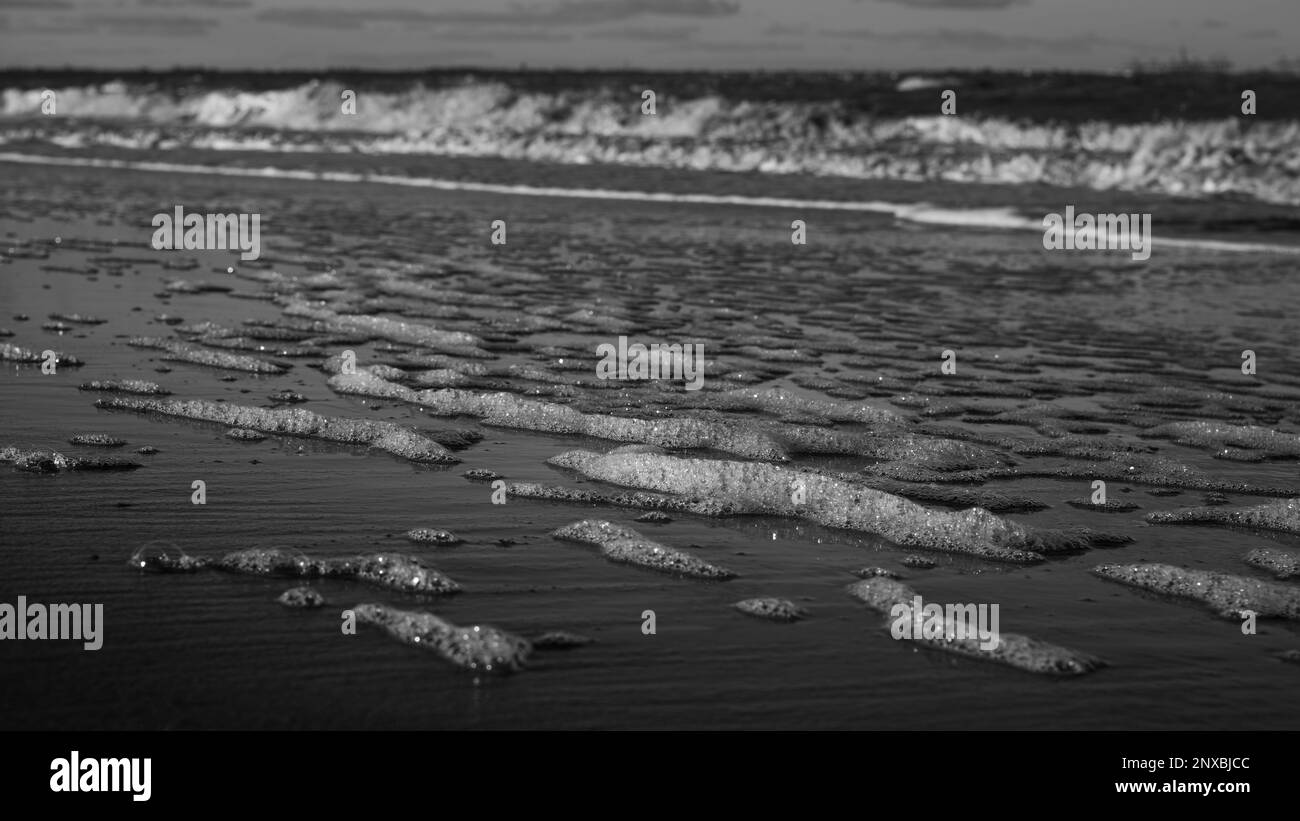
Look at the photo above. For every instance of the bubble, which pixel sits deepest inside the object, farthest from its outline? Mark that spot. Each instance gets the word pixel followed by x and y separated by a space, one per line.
pixel 164 557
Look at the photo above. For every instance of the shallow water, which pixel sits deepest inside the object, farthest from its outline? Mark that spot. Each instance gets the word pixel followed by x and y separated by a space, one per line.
pixel 861 313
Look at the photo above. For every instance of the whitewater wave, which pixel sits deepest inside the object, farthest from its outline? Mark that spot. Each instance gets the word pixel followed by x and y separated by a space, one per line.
pixel 710 132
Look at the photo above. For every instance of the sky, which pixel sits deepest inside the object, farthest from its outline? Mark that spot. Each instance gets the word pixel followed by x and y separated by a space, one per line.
pixel 1102 35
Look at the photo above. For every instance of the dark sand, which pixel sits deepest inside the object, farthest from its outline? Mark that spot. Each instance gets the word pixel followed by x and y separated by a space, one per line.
pixel 859 314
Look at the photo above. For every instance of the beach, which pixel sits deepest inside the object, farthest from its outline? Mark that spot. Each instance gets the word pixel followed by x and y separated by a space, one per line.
pixel 822 359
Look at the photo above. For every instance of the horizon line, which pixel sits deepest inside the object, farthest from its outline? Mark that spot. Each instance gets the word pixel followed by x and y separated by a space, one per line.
pixel 1202 67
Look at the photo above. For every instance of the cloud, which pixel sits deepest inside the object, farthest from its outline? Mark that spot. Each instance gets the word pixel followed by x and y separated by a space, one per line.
pixel 565 13
pixel 342 19
pixel 972 39
pixel 783 29
pixel 498 35
pixel 205 4
pixel 35 4
pixel 734 46
pixel 411 59
pixel 958 5
pixel 595 11
pixel 150 25
pixel 352 20
pixel 125 25
pixel 651 33
pixel 57 27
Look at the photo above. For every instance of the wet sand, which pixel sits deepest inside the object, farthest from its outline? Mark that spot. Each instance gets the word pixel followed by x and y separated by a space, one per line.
pixel 1068 366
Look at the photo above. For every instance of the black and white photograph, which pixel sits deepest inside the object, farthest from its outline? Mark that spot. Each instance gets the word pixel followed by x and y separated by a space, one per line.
pixel 916 366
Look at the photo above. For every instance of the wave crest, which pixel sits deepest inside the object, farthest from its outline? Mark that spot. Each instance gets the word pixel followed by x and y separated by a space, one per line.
pixel 1260 159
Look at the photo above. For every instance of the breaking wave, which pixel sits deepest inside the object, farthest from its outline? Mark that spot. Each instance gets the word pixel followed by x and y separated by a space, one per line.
pixel 710 131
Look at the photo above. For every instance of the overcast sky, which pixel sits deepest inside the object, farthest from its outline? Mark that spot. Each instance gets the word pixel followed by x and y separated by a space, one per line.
pixel 722 34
